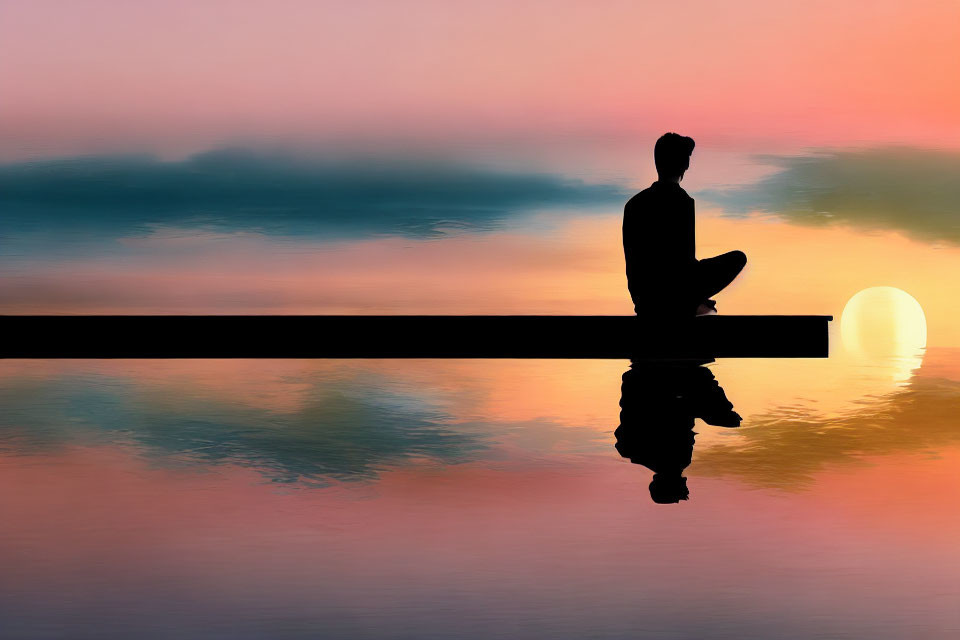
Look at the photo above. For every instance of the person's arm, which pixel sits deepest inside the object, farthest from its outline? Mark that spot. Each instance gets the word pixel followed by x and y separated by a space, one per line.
pixel 629 235
pixel 689 233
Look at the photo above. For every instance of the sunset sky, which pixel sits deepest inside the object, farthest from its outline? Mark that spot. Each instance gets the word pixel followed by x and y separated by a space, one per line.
pixel 180 76
pixel 380 157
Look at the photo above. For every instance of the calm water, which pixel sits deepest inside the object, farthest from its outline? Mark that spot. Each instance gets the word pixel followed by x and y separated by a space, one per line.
pixel 469 499
pixel 398 499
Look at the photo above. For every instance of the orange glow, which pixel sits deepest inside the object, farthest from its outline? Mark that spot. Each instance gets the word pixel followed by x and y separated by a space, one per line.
pixel 579 271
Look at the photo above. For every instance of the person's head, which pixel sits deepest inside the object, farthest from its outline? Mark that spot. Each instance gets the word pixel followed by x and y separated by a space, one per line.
pixel 668 488
pixel 672 155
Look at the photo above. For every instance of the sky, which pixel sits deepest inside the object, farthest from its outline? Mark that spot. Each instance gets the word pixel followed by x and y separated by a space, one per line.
pixel 435 157
pixel 177 77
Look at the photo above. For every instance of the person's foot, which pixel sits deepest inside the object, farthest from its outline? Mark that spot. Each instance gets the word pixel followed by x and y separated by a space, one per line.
pixel 730 419
pixel 707 308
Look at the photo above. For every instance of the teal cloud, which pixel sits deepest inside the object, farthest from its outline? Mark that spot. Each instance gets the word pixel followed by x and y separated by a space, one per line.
pixel 105 197
pixel 914 191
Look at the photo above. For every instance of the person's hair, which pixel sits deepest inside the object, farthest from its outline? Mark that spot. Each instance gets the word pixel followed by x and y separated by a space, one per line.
pixel 668 489
pixel 672 154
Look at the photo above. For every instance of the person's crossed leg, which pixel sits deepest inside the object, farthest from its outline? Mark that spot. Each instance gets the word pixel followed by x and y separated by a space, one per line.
pixel 713 275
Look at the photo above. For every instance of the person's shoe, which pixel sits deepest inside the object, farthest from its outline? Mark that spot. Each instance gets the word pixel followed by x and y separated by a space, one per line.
pixel 707 310
pixel 730 419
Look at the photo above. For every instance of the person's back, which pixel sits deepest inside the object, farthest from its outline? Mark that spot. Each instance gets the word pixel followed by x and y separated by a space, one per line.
pixel 663 273
pixel 658 243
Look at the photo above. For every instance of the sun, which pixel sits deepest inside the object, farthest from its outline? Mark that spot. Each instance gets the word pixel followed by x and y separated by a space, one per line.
pixel 885 324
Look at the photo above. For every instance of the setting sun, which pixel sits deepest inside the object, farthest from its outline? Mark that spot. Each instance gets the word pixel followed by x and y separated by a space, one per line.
pixel 885 322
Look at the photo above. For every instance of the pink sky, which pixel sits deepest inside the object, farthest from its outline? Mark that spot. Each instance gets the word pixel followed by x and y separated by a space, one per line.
pixel 176 76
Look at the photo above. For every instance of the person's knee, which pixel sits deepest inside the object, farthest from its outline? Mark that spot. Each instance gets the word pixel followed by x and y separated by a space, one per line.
pixel 740 257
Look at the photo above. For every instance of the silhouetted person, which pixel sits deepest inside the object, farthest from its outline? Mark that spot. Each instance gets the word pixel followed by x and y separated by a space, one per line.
pixel 658 404
pixel 663 273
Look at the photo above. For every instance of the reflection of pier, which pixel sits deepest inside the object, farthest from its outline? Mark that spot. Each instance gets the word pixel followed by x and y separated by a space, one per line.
pixel 411 337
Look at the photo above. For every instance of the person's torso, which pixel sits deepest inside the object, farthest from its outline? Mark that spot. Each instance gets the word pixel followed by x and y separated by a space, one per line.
pixel 658 227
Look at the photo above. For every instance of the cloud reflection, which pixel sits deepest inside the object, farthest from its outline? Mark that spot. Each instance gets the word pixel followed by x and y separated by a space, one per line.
pixel 787 447
pixel 342 430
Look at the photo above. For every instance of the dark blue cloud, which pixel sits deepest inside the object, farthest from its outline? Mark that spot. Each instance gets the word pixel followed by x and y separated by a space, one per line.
pixel 282 194
pixel 916 191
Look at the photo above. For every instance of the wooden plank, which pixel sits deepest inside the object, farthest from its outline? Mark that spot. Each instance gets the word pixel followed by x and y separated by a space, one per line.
pixel 412 337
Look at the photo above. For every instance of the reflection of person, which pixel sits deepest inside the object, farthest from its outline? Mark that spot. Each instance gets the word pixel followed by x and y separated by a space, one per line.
pixel 663 273
pixel 658 404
